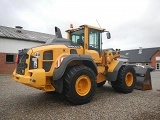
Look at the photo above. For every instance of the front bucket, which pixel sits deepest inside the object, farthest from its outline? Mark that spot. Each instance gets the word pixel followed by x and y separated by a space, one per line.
pixel 143 79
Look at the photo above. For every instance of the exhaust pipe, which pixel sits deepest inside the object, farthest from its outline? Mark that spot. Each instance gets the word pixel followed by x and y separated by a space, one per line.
pixel 58 32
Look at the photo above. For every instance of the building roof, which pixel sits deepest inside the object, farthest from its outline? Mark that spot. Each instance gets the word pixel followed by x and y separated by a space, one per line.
pixel 21 34
pixel 140 55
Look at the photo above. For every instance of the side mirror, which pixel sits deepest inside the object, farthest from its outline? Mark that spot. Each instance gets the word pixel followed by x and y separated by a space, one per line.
pixel 108 35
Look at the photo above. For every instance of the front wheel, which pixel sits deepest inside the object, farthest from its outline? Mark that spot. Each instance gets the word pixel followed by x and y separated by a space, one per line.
pixel 126 80
pixel 79 84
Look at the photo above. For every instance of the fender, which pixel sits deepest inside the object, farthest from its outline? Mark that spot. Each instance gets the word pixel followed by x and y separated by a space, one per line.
pixel 112 76
pixel 87 60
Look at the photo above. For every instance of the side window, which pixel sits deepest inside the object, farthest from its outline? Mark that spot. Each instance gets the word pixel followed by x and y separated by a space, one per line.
pixel 78 37
pixel 94 40
pixel 75 38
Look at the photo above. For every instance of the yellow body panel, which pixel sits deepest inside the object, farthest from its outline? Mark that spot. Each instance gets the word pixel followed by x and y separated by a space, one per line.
pixel 101 74
pixel 100 78
pixel 112 65
pixel 58 52
pixel 101 69
pixel 34 78
pixel 94 54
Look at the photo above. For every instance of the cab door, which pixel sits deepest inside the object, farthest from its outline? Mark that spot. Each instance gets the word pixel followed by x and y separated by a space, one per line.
pixel 94 44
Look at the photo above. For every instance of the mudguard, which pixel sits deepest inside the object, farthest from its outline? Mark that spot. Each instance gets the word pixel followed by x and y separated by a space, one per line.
pixel 88 61
pixel 112 76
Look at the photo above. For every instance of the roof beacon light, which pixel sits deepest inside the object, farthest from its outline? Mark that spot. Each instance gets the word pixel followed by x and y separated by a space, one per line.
pixel 71 25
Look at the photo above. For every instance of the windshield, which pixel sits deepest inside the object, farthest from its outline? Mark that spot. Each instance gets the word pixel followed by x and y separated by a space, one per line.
pixel 78 37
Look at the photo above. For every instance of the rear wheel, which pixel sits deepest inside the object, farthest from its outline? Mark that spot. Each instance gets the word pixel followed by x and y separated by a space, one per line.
pixel 79 84
pixel 126 80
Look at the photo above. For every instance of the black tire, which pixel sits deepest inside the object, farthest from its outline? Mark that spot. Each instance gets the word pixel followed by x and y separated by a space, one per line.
pixel 101 84
pixel 126 73
pixel 76 77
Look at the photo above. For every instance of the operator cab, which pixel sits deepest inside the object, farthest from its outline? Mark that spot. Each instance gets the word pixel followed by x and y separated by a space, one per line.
pixel 88 37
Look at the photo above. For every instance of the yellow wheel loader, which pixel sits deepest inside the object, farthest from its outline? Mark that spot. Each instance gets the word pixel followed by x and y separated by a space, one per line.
pixel 75 66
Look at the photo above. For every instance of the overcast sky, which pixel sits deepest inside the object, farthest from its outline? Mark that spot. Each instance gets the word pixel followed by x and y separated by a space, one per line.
pixel 132 23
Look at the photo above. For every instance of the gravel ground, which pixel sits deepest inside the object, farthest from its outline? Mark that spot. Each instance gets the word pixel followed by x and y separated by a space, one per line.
pixel 18 101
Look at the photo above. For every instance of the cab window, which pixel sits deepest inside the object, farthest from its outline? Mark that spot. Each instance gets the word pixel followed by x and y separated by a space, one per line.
pixel 75 38
pixel 94 40
pixel 78 37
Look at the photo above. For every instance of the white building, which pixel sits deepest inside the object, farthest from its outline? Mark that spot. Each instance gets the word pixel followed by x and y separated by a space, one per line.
pixel 14 39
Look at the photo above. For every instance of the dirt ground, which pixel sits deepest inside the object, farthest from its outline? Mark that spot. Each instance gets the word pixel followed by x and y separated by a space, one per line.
pixel 18 101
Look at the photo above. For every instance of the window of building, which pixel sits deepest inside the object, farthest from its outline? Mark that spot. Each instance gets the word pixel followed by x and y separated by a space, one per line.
pixel 9 58
pixel 138 64
pixel 158 66
pixel 146 64
pixel 158 58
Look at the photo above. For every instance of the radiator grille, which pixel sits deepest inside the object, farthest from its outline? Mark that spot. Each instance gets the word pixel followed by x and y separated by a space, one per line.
pixel 21 65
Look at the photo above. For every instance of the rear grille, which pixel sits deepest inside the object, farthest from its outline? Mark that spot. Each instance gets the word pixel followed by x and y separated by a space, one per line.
pixel 48 55
pixel 47 60
pixel 21 65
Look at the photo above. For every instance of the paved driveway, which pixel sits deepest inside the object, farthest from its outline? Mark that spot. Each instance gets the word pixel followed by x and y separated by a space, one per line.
pixel 18 101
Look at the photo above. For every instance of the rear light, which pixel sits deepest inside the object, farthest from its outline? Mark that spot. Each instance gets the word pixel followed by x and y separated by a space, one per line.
pixel 59 61
pixel 16 60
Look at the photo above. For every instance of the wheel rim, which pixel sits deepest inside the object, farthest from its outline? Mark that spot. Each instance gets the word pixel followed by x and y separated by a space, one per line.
pixel 83 85
pixel 129 79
